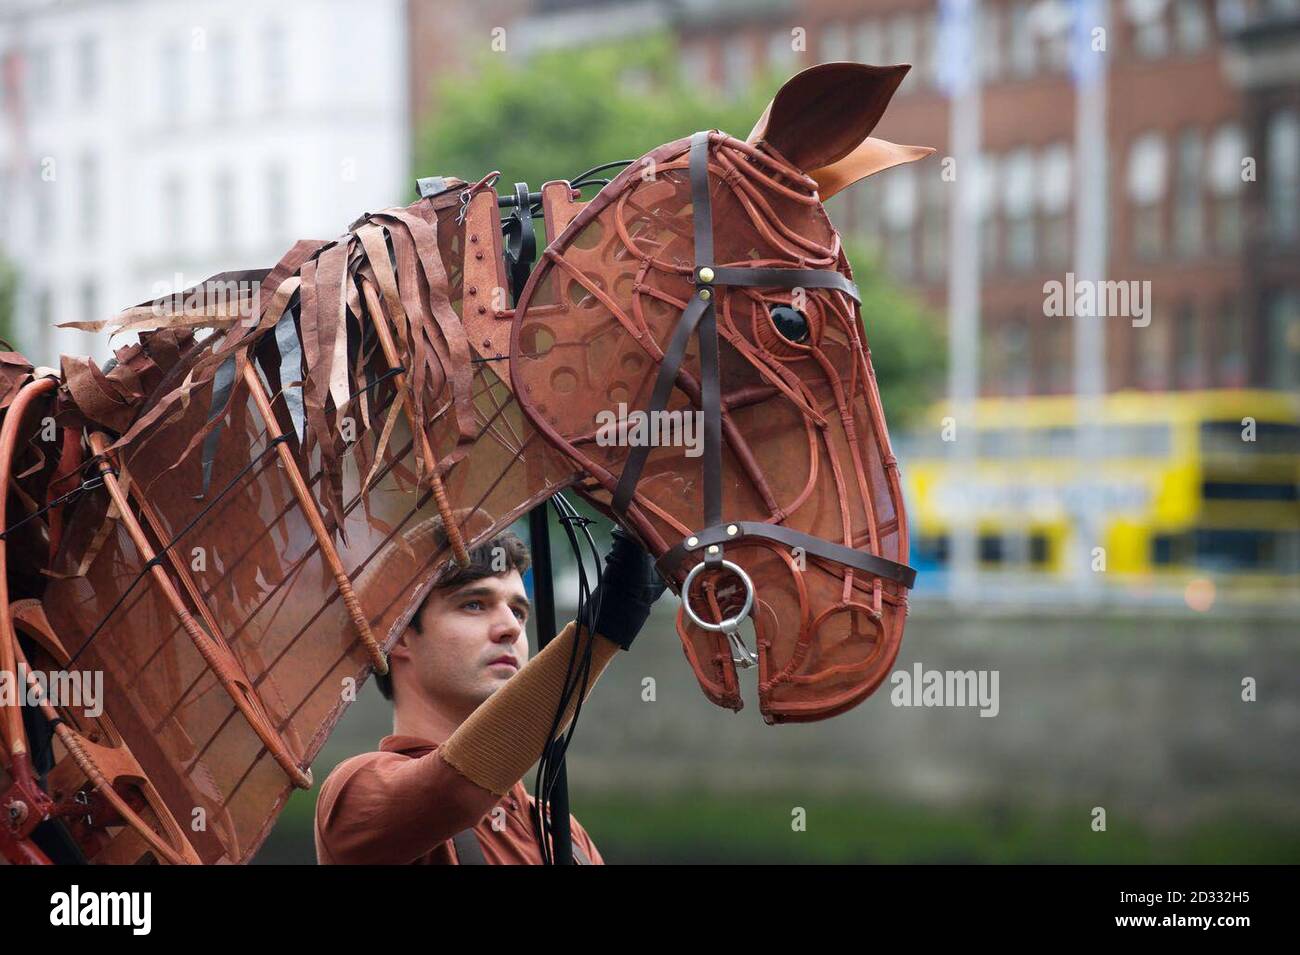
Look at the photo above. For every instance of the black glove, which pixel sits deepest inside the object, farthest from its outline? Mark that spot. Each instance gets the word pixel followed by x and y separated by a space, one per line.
pixel 628 587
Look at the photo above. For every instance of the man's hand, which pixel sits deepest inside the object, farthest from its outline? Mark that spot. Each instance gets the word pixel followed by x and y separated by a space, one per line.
pixel 628 587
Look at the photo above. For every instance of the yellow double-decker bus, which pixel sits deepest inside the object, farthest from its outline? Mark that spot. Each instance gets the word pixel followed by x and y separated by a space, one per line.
pixel 1186 484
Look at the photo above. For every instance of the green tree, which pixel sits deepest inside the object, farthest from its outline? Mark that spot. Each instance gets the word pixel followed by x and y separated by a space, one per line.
pixel 558 114
pixel 8 300
pixel 908 350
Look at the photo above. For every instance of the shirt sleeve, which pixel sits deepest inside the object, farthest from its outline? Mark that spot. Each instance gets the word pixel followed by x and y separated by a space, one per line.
pixel 387 808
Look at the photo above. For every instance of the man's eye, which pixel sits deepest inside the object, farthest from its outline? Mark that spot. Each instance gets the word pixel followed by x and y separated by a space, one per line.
pixel 523 617
pixel 471 603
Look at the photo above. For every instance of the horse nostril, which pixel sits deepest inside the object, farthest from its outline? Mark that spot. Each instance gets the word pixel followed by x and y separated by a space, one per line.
pixel 790 322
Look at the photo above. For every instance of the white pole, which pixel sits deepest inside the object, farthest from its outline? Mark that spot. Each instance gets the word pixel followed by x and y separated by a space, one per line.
pixel 1091 222
pixel 961 19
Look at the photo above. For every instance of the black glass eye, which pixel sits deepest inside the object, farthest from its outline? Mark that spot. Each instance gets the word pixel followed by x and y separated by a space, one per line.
pixel 790 322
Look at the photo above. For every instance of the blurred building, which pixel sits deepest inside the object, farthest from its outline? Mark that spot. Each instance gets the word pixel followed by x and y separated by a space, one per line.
pixel 147 145
pixel 1204 164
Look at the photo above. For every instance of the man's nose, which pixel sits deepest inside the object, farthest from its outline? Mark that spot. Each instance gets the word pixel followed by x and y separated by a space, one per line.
pixel 509 628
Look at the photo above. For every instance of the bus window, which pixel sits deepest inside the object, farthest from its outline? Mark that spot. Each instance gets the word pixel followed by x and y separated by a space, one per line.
pixel 1228 437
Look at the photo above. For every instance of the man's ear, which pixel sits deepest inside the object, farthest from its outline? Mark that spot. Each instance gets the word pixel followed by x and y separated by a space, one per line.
pixel 400 650
pixel 823 113
pixel 871 156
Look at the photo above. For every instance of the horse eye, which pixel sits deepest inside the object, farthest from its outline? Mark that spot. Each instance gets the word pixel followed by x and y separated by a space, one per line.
pixel 790 322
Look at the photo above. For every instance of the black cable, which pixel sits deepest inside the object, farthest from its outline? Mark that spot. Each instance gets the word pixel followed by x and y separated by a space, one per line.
pixel 577 679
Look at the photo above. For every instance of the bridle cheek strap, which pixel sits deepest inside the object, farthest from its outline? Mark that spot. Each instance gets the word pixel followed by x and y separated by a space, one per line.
pixel 699 317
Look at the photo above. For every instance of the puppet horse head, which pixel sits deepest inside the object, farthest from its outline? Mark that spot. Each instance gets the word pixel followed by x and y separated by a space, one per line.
pixel 692 341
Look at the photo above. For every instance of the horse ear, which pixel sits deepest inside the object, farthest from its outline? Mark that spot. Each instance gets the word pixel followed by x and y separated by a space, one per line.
pixel 870 157
pixel 822 113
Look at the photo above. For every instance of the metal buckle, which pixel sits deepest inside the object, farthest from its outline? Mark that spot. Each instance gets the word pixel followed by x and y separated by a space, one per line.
pixel 741 655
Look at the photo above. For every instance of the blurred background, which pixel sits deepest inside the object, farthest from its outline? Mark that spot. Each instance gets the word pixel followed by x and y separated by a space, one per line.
pixel 1103 500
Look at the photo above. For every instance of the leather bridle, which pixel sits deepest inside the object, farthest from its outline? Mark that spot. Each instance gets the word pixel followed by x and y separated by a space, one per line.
pixel 699 318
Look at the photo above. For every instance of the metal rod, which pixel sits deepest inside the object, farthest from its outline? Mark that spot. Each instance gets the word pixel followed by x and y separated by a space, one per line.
pixel 378 660
pixel 454 537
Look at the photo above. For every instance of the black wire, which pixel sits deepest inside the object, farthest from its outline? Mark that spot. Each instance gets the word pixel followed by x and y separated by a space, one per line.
pixel 577 679
pixel 86 484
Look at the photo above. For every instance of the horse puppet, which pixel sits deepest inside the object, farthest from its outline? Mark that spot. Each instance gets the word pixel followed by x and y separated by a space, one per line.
pixel 191 520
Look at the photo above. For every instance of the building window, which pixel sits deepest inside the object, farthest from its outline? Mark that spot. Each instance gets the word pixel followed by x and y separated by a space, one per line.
pixel 1153 353
pixel 871 42
pixel 88 191
pixel 695 66
pixel 225 209
pixel 1283 176
pixel 869 225
pixel 1054 187
pixel 89 301
pixel 1190 347
pixel 87 69
pixel 277 202
pixel 1017 183
pixel 900 220
pixel 1189 217
pixel 1058 356
pixel 276 65
pixel 1150 32
pixel 833 42
pixel 223 73
pixel 40 92
pixel 1227 150
pixel 1231 333
pixel 986 178
pixel 780 51
pixel 1191 25
pixel 934 231
pixel 737 63
pixel 44 307
pixel 172 81
pixel 901 39
pixel 1284 341
pixel 989 29
pixel 173 212
pixel 927 60
pixel 1022 50
pixel 1014 348
pixel 1147 174
pixel 43 208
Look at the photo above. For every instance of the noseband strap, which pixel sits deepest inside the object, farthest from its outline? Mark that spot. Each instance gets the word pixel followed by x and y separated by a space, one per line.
pixel 699 317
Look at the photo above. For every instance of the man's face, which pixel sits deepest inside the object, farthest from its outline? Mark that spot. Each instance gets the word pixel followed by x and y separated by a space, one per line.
pixel 471 641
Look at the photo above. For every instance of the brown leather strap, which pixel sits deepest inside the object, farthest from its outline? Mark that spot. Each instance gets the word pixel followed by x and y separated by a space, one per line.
pixel 820 547
pixel 787 278
pixel 668 368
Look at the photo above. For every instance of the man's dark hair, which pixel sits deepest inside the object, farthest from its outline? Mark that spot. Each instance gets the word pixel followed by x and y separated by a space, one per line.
pixel 516 556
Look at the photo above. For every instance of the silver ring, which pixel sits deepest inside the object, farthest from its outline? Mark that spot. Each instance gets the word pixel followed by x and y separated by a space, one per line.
pixel 727 623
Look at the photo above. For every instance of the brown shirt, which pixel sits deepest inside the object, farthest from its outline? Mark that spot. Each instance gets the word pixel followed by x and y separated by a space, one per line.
pixel 403 804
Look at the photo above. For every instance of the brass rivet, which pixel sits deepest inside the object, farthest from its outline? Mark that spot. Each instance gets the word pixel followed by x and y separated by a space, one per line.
pixel 706 274
pixel 704 294
pixel 733 530
pixel 713 548
pixel 692 541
